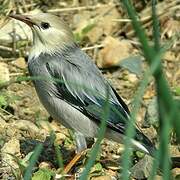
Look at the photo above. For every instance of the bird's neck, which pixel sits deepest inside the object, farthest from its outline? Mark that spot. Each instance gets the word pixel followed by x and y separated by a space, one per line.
pixel 50 45
pixel 41 49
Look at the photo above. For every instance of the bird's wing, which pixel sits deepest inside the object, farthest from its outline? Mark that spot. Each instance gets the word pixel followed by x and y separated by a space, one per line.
pixel 85 89
pixel 81 84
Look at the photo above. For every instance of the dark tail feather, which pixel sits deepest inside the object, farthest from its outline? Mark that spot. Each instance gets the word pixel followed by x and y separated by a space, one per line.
pixel 150 147
pixel 145 141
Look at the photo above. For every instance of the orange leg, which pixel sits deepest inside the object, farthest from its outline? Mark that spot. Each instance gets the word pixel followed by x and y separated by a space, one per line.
pixel 73 162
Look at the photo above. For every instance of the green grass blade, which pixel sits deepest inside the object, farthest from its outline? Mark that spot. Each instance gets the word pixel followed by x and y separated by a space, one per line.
pixel 148 51
pixel 101 134
pixel 167 109
pixel 136 106
pixel 33 160
pixel 164 118
pixel 59 156
pixel 156 28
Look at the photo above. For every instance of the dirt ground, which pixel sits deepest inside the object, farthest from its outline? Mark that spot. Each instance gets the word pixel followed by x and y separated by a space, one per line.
pixel 104 31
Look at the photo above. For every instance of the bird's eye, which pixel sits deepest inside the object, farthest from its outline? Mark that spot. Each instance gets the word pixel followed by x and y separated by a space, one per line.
pixel 45 25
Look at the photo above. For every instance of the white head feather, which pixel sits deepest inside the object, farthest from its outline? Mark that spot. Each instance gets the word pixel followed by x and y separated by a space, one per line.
pixel 50 33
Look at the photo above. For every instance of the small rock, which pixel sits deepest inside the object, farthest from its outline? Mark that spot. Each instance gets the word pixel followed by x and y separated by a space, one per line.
pixel 26 126
pixel 150 93
pixel 22 31
pixel 104 23
pixel 20 63
pixel 4 72
pixel 151 116
pixel 45 125
pixel 113 52
pixel 45 165
pixel 11 131
pixel 171 28
pixel 11 147
pixel 102 178
pixel 6 33
pixel 120 150
pixel 3 124
pixel 132 78
pixel 169 56
pixel 175 150
pixel 95 24
pixel 60 137
pixel 56 126
pixel 115 156
pixel 142 169
pixel 12 31
pixel 176 172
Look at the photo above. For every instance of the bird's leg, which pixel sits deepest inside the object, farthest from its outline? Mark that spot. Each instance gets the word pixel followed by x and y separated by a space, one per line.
pixel 81 146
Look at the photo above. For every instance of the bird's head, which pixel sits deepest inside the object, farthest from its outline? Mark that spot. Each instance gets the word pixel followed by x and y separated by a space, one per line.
pixel 50 33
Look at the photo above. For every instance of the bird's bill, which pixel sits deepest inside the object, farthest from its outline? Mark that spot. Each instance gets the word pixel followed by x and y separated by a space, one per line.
pixel 24 18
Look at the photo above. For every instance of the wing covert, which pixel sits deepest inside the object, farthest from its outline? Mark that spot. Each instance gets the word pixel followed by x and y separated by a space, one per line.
pixel 86 91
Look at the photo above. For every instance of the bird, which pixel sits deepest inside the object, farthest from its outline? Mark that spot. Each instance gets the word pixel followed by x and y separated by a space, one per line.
pixel 74 90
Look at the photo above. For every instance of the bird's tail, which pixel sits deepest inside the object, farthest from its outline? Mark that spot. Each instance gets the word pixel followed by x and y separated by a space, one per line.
pixel 143 143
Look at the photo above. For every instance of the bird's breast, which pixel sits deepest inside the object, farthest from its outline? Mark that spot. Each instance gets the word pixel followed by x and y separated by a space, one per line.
pixel 42 80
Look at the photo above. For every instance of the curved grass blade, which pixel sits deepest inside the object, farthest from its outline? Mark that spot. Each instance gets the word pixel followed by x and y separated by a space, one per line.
pixel 101 134
pixel 37 151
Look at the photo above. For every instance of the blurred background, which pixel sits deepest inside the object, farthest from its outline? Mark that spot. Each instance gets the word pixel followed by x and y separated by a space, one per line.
pixel 103 30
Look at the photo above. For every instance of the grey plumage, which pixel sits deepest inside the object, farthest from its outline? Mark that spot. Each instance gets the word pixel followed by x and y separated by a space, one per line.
pixel 77 99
